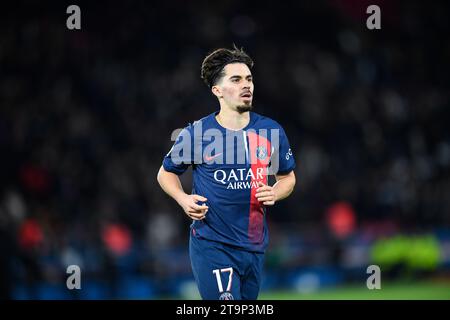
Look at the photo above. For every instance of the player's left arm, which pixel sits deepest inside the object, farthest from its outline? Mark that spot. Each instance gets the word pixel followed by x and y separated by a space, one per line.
pixel 268 195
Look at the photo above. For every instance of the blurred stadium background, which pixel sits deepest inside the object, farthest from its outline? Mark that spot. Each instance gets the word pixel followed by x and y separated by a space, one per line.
pixel 86 117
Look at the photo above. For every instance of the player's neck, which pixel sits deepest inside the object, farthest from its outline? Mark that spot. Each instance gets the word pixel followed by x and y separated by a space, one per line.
pixel 233 120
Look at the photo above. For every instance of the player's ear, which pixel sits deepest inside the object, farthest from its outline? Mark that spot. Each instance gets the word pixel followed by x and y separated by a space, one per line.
pixel 217 91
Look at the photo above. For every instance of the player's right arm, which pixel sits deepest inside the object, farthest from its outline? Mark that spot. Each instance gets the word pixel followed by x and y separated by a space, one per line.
pixel 175 163
pixel 171 185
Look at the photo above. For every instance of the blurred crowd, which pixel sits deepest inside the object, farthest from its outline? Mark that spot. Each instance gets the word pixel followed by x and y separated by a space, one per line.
pixel 86 117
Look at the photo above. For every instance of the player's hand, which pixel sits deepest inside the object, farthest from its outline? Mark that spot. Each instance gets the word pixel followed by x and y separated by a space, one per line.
pixel 265 194
pixel 189 204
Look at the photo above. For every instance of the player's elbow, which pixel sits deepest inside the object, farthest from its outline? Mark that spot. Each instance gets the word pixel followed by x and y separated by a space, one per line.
pixel 290 182
pixel 160 175
pixel 293 181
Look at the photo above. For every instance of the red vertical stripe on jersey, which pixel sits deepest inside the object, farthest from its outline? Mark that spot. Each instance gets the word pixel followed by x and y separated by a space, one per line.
pixel 258 146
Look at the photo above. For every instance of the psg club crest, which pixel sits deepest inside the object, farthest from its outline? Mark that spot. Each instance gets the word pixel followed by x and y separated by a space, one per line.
pixel 226 296
pixel 261 152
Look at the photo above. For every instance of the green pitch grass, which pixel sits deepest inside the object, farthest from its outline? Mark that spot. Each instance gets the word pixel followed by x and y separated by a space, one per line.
pixel 393 291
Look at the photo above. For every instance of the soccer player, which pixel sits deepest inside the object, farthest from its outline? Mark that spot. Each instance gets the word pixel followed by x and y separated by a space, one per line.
pixel 232 152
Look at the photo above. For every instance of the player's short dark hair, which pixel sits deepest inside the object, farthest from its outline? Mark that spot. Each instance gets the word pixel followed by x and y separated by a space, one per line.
pixel 215 62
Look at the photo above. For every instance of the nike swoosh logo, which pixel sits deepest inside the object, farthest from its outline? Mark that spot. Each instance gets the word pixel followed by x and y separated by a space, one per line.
pixel 212 157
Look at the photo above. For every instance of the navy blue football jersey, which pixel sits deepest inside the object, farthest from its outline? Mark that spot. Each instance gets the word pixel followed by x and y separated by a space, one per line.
pixel 227 166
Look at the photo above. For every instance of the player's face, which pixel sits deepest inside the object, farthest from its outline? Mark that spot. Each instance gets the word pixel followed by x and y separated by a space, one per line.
pixel 237 87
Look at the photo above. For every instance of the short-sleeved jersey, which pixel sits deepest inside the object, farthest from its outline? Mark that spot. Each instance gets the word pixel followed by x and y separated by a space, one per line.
pixel 227 166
